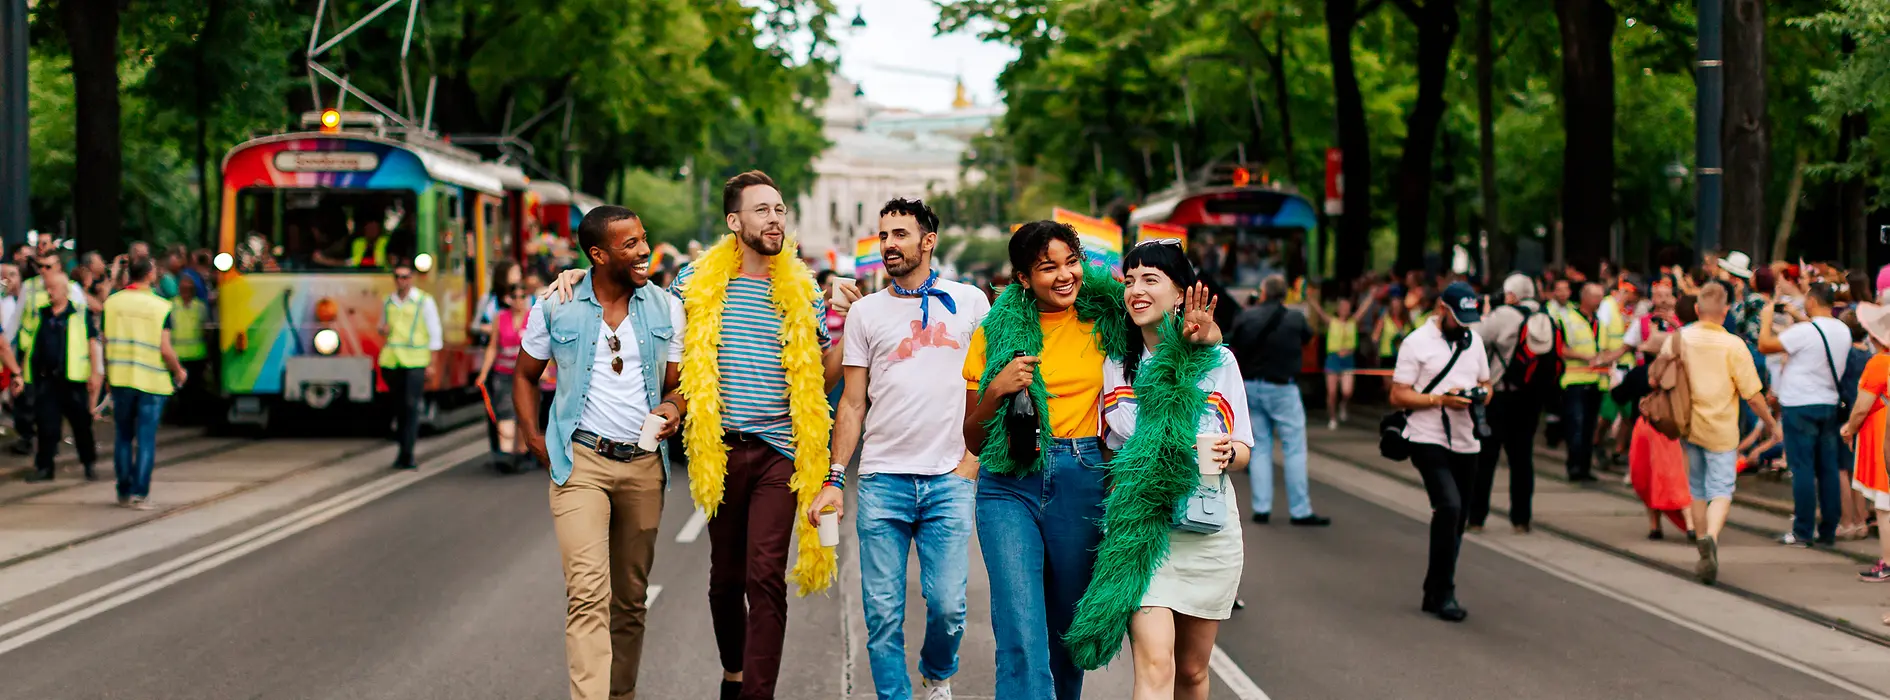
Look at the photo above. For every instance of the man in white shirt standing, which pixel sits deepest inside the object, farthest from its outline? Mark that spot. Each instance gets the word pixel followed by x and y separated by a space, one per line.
pixel 903 350
pixel 410 325
pixel 1443 370
pixel 1807 394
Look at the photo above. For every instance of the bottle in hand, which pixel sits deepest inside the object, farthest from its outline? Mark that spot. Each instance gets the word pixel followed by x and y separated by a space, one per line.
pixel 1022 426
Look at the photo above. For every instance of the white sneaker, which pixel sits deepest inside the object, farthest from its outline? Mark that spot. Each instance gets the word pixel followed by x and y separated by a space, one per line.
pixel 138 503
pixel 938 690
pixel 1332 424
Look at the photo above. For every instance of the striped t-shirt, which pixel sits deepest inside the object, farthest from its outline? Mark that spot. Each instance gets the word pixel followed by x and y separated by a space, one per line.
pixel 754 384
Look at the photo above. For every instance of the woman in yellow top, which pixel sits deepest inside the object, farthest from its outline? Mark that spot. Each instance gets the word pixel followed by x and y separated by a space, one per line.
pixel 1039 512
pixel 1341 353
pixel 1393 325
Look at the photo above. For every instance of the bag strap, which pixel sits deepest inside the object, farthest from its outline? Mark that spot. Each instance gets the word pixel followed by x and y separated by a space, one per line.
pixel 1439 379
pixel 1266 329
pixel 1829 359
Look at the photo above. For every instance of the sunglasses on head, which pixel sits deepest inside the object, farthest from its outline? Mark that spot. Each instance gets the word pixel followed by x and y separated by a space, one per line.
pixel 1176 242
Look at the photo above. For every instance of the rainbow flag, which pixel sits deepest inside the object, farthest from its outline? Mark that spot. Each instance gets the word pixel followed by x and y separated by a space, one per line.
pixel 866 257
pixel 1154 232
pixel 1102 239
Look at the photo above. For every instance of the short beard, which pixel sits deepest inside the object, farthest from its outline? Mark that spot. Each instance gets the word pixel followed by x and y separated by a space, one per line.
pixel 759 243
pixel 621 275
pixel 903 268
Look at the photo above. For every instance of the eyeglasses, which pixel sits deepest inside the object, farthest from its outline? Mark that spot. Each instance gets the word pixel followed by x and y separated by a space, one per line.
pixel 1176 242
pixel 403 276
pixel 616 346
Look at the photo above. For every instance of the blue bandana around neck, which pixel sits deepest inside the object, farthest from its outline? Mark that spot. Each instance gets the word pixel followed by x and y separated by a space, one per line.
pixel 925 292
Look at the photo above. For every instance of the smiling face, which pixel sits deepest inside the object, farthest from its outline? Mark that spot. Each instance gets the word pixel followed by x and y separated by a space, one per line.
pixel 1150 295
pixel 761 222
pixel 625 255
pixel 902 246
pixel 1056 277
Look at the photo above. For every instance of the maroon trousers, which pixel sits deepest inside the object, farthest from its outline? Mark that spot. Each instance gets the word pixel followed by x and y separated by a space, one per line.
pixel 748 552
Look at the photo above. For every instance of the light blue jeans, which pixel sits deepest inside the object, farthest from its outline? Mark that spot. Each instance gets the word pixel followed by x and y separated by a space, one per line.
pixel 1277 410
pixel 936 513
pixel 1039 535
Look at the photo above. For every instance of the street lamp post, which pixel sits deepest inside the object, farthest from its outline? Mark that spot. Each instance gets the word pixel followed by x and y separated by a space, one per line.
pixel 13 122
pixel 1709 107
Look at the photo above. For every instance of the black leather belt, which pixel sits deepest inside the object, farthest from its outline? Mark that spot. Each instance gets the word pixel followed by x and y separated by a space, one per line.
pixel 735 437
pixel 1270 380
pixel 610 449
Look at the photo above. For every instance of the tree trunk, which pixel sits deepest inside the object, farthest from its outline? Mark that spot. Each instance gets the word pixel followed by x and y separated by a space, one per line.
pixel 1283 102
pixel 1355 225
pixel 1501 248
pixel 206 194
pixel 1587 28
pixel 1745 143
pixel 1437 26
pixel 1788 218
pixel 92 32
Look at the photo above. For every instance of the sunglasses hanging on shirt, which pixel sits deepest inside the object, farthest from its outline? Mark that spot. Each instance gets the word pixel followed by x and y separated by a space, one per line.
pixel 616 346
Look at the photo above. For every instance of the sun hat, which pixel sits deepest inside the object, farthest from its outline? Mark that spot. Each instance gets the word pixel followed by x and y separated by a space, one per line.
pixel 1737 263
pixel 1875 318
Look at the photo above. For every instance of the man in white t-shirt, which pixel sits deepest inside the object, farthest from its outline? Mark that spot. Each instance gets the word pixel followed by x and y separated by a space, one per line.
pixel 904 348
pixel 1807 389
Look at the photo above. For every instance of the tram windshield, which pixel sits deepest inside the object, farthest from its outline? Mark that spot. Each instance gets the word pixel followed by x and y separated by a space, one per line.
pixel 323 230
pixel 1242 256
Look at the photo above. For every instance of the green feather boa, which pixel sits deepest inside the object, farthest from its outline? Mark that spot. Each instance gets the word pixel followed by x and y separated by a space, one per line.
pixel 1151 475
pixel 1012 326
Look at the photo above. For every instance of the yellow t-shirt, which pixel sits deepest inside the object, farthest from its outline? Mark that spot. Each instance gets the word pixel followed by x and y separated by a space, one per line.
pixel 1072 371
pixel 1720 375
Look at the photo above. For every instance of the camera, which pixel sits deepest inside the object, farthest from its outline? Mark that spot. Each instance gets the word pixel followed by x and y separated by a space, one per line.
pixel 1479 415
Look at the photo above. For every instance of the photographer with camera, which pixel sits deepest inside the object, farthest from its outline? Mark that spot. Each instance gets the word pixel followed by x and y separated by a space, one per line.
pixel 1445 428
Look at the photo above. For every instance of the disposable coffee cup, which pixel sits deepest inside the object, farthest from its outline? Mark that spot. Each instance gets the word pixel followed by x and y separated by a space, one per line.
pixel 652 426
pixel 837 281
pixel 1204 453
pixel 829 528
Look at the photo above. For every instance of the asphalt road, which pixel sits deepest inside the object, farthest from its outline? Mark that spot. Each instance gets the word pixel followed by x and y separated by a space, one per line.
pixel 451 589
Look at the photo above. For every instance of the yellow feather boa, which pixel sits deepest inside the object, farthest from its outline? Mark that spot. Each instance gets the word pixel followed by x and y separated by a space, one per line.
pixel 704 299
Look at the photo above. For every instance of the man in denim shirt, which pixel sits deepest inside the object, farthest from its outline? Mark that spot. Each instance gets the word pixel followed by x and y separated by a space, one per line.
pixel 617 341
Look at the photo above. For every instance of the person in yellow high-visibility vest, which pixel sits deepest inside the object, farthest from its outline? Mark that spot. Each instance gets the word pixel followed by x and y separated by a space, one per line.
pixel 1581 384
pixel 410 323
pixel 141 365
pixel 189 318
pixel 365 251
pixel 59 339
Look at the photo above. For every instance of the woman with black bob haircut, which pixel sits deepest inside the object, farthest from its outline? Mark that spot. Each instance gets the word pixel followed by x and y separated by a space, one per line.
pixel 1040 505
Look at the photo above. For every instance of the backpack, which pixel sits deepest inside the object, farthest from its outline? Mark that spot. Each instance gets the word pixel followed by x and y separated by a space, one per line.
pixel 1668 405
pixel 1527 370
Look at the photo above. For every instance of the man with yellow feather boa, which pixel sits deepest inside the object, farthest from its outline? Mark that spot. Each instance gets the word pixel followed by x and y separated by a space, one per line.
pixel 756 367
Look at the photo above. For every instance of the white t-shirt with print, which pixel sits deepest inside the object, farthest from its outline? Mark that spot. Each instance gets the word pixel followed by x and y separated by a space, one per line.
pixel 615 405
pixel 1224 412
pixel 916 394
pixel 1805 379
pixel 1423 355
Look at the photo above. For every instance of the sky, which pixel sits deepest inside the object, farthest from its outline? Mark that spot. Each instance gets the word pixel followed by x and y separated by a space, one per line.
pixel 900 34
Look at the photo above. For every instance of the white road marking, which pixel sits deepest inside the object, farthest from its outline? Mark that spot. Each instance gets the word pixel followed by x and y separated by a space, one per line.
pixel 39 625
pixel 650 594
pixel 1236 679
pixel 692 530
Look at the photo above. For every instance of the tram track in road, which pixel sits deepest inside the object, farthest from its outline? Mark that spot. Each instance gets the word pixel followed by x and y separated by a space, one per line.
pixel 224 447
pixel 193 447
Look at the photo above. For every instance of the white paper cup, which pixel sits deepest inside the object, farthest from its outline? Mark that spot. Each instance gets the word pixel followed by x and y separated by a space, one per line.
pixel 1204 453
pixel 829 528
pixel 837 281
pixel 652 425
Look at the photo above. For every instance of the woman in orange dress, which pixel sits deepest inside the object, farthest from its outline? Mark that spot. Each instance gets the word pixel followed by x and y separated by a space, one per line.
pixel 1657 465
pixel 1867 425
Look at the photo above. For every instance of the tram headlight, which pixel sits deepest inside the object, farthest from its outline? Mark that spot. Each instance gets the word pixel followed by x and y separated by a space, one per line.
pixel 327 341
pixel 423 263
pixel 224 261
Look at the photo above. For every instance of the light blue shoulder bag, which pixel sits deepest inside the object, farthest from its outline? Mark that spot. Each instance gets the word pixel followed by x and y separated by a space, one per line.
pixel 1205 511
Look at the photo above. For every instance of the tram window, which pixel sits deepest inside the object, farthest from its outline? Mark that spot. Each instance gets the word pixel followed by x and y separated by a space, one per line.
pixel 302 230
pixel 1243 256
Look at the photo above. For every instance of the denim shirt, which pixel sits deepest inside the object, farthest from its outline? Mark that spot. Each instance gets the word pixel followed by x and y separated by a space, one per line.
pixel 573 326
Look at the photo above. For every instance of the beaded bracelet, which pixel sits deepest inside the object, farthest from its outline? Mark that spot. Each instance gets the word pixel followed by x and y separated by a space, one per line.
pixel 837 479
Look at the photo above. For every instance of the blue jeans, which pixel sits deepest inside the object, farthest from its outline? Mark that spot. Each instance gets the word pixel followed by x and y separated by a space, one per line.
pixel 1039 534
pixel 136 415
pixel 1276 409
pixel 1814 450
pixel 896 511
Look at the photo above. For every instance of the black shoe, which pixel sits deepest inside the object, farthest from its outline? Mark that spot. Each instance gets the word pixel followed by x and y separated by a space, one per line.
pixel 731 689
pixel 90 475
pixel 1656 535
pixel 1262 518
pixel 38 477
pixel 1582 478
pixel 1827 541
pixel 1693 537
pixel 404 466
pixel 1522 529
pixel 1449 611
pixel 1314 520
